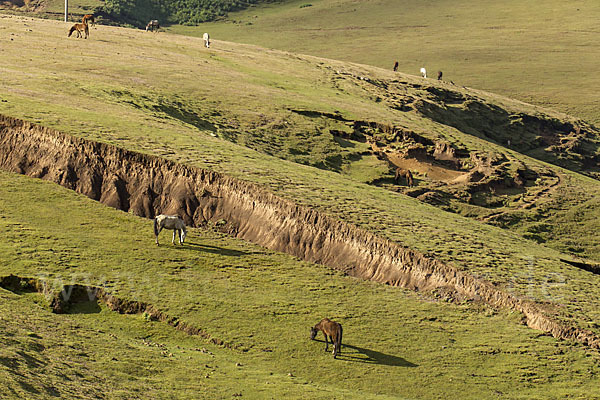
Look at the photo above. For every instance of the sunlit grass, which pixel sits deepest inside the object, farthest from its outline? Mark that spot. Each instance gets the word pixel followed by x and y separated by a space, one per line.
pixel 258 301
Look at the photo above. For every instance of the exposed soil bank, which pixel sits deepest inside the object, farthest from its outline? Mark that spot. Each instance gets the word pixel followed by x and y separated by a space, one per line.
pixel 148 185
pixel 60 300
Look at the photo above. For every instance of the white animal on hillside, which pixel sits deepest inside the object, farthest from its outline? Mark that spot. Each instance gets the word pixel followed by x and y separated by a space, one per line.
pixel 206 39
pixel 170 222
pixel 423 72
pixel 153 26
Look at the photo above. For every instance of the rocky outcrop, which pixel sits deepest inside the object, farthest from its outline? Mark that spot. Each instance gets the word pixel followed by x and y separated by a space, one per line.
pixel 147 185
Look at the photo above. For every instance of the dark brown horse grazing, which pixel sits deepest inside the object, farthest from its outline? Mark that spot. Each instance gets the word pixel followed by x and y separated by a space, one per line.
pixel 331 329
pixel 80 28
pixel 406 174
pixel 89 18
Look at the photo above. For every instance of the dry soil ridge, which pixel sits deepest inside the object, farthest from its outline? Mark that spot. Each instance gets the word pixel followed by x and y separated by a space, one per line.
pixel 147 185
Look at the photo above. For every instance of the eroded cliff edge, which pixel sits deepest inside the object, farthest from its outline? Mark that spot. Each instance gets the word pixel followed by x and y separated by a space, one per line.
pixel 147 185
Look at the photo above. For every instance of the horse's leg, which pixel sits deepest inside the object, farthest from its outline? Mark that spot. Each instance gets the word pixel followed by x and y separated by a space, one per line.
pixel 326 342
pixel 335 340
pixel 158 232
pixel 173 241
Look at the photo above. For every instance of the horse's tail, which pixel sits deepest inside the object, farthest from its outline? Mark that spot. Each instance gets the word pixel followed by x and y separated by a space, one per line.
pixel 71 30
pixel 155 227
pixel 409 178
pixel 339 344
pixel 87 31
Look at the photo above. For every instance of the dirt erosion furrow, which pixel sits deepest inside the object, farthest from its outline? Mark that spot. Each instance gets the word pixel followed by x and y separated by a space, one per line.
pixel 147 185
pixel 62 299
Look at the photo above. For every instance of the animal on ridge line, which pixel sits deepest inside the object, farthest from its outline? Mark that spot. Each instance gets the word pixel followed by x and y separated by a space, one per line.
pixel 82 27
pixel 153 25
pixel 406 174
pixel 170 222
pixel 333 330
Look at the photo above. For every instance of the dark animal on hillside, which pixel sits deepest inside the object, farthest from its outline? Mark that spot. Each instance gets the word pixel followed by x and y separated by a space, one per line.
pixel 152 26
pixel 333 330
pixel 80 29
pixel 89 18
pixel 170 222
pixel 440 73
pixel 396 66
pixel 406 174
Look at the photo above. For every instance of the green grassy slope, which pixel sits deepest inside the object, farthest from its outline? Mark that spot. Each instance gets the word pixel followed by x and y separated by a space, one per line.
pixel 396 344
pixel 543 52
pixel 166 95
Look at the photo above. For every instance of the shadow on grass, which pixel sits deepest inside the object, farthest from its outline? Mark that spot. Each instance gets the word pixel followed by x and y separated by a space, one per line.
pixel 362 355
pixel 86 307
pixel 214 249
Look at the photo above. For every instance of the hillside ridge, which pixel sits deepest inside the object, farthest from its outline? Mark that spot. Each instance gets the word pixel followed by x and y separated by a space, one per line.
pixel 147 185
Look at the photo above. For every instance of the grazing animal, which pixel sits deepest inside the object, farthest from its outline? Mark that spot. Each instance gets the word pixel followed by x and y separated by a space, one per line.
pixel 440 73
pixel 396 66
pixel 333 330
pixel 152 26
pixel 406 174
pixel 423 72
pixel 206 39
pixel 170 222
pixel 80 28
pixel 89 18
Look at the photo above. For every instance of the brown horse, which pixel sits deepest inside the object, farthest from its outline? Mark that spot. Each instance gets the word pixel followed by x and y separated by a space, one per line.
pixel 80 28
pixel 89 18
pixel 331 329
pixel 406 174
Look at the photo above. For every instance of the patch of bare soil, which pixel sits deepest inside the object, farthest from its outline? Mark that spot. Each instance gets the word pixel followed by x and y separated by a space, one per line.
pixel 447 176
pixel 430 170
pixel 148 185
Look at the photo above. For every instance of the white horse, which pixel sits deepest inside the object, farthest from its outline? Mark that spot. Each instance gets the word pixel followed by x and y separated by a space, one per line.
pixel 206 39
pixel 423 72
pixel 170 222
pixel 153 26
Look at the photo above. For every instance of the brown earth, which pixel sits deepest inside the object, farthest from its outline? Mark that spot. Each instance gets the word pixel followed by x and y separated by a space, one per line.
pixel 148 185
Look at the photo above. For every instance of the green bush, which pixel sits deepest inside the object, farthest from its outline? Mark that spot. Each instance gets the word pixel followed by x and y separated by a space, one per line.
pixel 184 12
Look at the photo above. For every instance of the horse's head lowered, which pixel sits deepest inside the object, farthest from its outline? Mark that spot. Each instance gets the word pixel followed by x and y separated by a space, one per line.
pixel 313 333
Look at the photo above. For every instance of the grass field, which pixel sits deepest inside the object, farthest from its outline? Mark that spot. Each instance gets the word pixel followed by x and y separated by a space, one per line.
pixel 165 95
pixel 230 109
pixel 542 52
pixel 397 344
